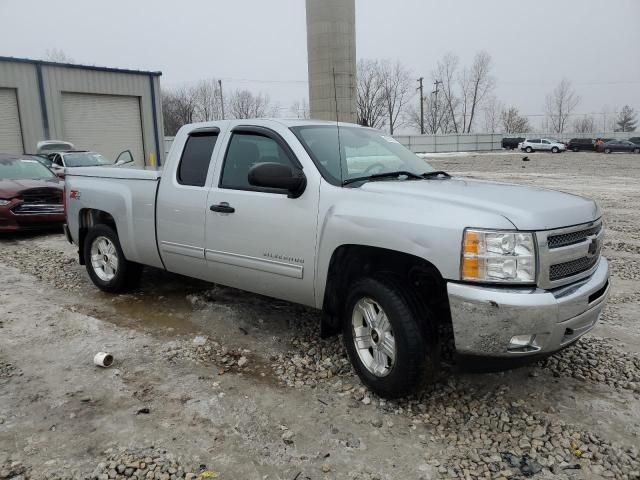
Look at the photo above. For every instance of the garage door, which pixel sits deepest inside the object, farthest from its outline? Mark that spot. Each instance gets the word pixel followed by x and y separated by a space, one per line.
pixel 108 124
pixel 10 133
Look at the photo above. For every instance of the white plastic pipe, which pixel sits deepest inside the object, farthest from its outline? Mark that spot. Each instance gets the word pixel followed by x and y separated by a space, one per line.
pixel 103 359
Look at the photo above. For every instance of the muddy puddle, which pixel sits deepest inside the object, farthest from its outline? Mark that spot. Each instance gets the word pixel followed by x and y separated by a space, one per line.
pixel 169 305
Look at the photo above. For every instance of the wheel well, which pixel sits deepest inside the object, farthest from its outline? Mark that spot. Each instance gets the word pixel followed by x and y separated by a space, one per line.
pixel 350 262
pixel 89 217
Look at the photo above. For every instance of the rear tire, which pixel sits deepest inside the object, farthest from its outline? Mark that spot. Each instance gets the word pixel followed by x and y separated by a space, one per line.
pixel 389 336
pixel 555 150
pixel 607 150
pixel 106 264
pixel 636 150
pixel 528 149
pixel 575 149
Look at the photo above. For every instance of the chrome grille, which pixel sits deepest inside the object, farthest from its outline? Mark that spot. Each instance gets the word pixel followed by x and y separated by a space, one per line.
pixel 565 239
pixel 37 209
pixel 40 201
pixel 567 255
pixel 569 269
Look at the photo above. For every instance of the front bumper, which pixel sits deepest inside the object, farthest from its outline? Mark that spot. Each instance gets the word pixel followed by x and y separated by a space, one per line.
pixel 486 319
pixel 10 222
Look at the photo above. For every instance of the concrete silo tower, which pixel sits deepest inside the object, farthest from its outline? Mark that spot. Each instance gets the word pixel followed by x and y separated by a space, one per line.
pixel 331 44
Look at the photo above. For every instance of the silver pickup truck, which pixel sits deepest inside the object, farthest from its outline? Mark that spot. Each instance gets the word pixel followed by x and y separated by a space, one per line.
pixel 342 218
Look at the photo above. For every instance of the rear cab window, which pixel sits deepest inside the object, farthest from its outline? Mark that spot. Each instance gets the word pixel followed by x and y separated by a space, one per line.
pixel 196 158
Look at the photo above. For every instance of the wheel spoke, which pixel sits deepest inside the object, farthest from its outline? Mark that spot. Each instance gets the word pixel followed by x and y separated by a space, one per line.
pixel 388 346
pixel 379 362
pixel 382 322
pixel 362 337
pixel 368 312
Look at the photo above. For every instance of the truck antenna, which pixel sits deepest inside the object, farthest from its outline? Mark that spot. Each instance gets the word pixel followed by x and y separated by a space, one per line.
pixel 335 97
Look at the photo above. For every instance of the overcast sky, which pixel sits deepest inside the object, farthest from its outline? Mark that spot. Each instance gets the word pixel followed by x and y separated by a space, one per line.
pixel 261 44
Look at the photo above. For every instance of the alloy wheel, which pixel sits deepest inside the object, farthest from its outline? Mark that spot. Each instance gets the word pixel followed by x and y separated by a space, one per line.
pixel 104 258
pixel 373 337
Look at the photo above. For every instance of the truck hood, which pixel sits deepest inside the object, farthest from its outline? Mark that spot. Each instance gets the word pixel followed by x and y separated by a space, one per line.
pixel 11 188
pixel 528 208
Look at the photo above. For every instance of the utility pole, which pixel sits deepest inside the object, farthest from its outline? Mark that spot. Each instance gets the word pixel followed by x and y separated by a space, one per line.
pixel 221 98
pixel 421 106
pixel 436 121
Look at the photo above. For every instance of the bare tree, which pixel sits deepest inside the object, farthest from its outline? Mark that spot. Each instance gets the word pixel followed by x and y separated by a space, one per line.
pixel 370 101
pixel 492 110
pixel 560 103
pixel 396 88
pixel 208 100
pixel 57 55
pixel 627 120
pixel 513 122
pixel 179 107
pixel 585 124
pixel 245 104
pixel 475 83
pixel 446 74
pixel 437 118
pixel 300 109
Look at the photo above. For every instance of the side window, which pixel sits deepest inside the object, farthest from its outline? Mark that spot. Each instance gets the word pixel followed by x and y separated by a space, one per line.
pixel 196 157
pixel 57 160
pixel 245 150
pixel 545 142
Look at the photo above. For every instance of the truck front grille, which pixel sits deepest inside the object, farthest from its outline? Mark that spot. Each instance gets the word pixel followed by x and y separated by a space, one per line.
pixel 565 239
pixel 567 255
pixel 574 267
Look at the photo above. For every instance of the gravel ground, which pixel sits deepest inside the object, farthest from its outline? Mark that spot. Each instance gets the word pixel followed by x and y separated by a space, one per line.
pixel 233 385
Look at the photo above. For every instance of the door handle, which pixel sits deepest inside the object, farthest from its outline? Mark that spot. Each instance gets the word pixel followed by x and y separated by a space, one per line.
pixel 222 207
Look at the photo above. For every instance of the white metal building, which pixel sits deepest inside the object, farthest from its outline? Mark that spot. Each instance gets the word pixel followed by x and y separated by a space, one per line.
pixel 108 110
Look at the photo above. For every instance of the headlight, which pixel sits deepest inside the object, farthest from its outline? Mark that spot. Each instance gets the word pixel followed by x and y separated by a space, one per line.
pixel 4 202
pixel 498 257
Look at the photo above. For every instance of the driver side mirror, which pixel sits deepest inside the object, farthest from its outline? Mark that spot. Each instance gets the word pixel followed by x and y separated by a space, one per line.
pixel 59 172
pixel 278 176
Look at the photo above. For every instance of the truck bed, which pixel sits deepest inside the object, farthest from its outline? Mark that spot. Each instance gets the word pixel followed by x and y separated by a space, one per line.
pixel 129 195
pixel 125 173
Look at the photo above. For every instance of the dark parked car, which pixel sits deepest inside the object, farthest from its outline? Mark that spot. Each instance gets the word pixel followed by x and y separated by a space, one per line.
pixel 30 194
pixel 619 146
pixel 511 143
pixel 578 144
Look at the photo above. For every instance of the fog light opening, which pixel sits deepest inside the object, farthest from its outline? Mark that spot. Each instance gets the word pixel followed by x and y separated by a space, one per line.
pixel 523 344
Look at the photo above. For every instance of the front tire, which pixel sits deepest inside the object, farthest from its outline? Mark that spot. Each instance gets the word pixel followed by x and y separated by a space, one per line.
pixel 388 337
pixel 607 150
pixel 528 149
pixel 555 150
pixel 106 264
pixel 636 150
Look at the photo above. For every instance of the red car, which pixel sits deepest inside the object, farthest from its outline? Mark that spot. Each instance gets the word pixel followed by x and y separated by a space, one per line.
pixel 31 195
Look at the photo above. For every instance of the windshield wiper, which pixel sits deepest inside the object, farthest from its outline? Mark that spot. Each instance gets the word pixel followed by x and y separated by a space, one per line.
pixel 436 173
pixel 395 174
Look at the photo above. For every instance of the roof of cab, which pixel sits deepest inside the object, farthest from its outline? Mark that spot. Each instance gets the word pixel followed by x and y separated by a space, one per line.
pixel 287 122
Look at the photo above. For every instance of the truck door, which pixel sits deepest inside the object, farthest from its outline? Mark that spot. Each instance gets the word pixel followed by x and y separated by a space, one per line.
pixel 258 239
pixel 181 206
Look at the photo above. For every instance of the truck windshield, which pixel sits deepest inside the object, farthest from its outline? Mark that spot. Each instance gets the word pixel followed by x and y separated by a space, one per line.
pixel 363 152
pixel 85 159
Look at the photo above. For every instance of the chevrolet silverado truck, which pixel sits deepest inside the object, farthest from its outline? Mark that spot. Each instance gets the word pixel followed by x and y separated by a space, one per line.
pixel 344 219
